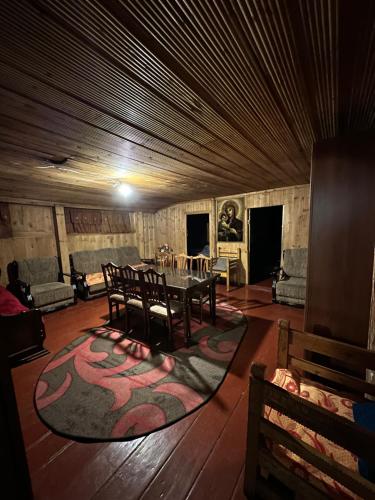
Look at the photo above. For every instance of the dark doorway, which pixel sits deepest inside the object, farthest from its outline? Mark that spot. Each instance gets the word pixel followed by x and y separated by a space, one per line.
pixel 264 242
pixel 197 229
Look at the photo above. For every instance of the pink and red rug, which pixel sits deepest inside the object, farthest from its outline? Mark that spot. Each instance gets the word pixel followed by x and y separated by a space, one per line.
pixel 105 387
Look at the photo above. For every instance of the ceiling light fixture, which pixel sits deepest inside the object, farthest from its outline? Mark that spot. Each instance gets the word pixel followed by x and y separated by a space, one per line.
pixel 124 189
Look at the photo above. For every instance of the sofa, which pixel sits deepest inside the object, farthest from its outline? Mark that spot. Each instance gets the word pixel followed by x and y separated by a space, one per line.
pixel 86 268
pixel 289 282
pixel 39 283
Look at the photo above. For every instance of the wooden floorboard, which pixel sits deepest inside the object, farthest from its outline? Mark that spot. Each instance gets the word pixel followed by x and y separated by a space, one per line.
pixel 199 457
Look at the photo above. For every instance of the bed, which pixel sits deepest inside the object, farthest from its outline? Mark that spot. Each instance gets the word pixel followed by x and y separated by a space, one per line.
pixel 302 438
pixel 22 329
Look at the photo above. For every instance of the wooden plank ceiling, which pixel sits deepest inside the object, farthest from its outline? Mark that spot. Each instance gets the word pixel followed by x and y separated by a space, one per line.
pixel 182 99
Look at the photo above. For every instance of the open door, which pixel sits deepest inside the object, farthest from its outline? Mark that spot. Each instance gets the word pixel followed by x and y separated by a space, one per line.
pixel 197 233
pixel 264 243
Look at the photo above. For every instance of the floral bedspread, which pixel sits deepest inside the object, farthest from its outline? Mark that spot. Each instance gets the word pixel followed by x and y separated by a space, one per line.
pixel 341 406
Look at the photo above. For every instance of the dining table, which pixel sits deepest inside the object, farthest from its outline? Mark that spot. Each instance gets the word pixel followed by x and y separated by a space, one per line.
pixel 185 283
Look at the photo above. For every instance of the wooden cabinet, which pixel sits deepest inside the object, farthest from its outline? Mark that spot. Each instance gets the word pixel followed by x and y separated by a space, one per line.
pixel 342 238
pixel 15 477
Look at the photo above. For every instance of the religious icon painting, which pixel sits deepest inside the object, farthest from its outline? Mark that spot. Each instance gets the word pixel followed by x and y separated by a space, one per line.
pixel 230 219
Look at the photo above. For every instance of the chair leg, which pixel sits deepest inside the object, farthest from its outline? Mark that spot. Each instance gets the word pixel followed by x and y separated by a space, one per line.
pixel 146 319
pixel 170 329
pixel 110 311
pixel 126 320
pixel 117 310
pixel 201 309
pixel 228 282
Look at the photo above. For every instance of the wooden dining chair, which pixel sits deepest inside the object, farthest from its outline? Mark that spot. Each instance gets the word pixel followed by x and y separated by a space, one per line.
pixel 133 293
pixel 112 280
pixel 183 261
pixel 201 297
pixel 158 303
pixel 165 259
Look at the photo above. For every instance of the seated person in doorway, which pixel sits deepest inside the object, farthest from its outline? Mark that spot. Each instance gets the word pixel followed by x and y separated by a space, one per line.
pixel 205 250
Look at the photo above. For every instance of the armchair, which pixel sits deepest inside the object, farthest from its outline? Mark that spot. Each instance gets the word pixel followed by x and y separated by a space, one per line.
pixel 227 263
pixel 39 283
pixel 289 281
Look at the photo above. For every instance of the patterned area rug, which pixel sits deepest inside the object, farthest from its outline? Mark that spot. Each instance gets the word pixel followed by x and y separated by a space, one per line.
pixel 104 386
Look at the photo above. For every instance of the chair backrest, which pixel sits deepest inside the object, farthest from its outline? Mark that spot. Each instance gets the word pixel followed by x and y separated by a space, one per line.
pixel 183 261
pixel 155 289
pixel 112 278
pixel 231 254
pixel 132 283
pixel 295 262
pixel 165 259
pixel 128 256
pixel 204 264
pixel 38 270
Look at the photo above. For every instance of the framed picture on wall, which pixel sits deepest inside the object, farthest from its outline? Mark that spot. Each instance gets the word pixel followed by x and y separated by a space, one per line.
pixel 230 219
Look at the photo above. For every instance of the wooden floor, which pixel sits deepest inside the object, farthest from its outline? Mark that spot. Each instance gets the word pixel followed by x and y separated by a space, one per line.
pixel 199 457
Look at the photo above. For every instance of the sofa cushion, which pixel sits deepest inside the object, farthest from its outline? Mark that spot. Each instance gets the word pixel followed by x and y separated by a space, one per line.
pixel 291 287
pixel 38 270
pixel 176 308
pixel 90 261
pixel 127 256
pixel 95 278
pixel 97 287
pixel 49 293
pixel 220 265
pixel 295 262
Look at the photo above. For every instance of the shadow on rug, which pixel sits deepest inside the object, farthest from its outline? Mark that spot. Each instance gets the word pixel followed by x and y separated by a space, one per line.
pixel 104 386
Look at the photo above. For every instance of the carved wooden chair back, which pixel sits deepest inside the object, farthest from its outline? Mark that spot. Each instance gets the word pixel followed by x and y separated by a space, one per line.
pixel 204 264
pixel 165 259
pixel 155 289
pixel 157 299
pixel 112 278
pixel 132 284
pixel 113 285
pixel 183 261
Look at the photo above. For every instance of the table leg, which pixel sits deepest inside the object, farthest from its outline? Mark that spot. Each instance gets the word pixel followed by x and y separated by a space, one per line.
pixel 185 309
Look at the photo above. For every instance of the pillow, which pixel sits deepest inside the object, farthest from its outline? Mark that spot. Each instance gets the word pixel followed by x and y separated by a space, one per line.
pixel 9 304
pixel 364 415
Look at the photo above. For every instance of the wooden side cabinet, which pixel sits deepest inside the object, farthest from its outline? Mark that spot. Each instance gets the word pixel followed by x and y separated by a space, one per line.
pixel 15 476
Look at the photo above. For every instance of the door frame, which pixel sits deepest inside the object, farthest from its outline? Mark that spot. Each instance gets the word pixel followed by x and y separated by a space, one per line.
pixel 249 234
pixel 206 212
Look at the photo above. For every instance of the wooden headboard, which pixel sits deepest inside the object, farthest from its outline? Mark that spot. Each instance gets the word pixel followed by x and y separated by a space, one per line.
pixel 353 356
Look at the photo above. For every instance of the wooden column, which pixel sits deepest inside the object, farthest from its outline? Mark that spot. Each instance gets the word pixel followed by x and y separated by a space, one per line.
pixel 61 240
pixel 370 374
pixel 342 238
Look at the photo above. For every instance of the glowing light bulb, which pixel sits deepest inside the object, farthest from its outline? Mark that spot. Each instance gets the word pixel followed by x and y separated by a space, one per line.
pixel 124 189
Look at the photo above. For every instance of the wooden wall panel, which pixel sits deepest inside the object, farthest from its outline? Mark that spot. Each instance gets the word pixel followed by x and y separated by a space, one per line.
pixel 342 238
pixel 33 235
pixel 171 222
pixel 33 229
pixel 143 237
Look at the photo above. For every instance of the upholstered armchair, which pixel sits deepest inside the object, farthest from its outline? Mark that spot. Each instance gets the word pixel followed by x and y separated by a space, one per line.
pixel 289 282
pixel 39 283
